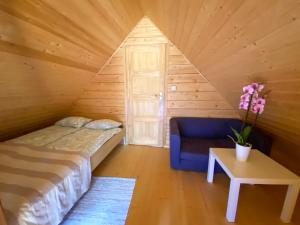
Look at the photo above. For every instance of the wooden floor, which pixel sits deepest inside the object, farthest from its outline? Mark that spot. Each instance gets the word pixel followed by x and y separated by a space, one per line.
pixel 164 196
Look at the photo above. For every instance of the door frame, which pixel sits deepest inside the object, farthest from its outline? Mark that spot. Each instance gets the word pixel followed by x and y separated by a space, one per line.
pixel 163 46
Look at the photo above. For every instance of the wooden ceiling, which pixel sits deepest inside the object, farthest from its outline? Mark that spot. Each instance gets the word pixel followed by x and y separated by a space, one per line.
pixel 234 42
pixel 50 49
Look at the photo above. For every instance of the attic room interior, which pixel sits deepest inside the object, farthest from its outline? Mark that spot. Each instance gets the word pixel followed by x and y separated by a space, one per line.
pixel 149 112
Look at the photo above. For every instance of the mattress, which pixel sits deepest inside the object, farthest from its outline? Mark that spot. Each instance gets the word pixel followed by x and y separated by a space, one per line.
pixel 85 140
pixel 39 186
pixel 44 136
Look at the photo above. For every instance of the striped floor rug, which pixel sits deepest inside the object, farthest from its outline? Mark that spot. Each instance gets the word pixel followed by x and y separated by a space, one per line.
pixel 106 203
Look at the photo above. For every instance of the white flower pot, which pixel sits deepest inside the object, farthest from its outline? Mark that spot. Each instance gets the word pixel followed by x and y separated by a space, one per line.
pixel 242 152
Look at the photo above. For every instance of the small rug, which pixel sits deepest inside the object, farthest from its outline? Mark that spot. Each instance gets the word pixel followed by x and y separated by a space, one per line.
pixel 106 203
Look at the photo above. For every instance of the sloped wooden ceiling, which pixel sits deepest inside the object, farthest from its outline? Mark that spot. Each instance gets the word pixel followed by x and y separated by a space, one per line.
pixel 49 50
pixel 234 42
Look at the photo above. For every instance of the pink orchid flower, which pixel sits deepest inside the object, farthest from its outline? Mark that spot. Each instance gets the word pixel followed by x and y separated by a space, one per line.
pixel 248 89
pixel 244 105
pixel 251 96
pixel 245 97
pixel 251 101
pixel 257 108
pixel 254 86
pixel 260 87
pixel 260 101
pixel 254 98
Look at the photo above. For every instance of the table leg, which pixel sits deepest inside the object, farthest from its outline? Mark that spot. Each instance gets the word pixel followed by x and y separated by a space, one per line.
pixel 289 203
pixel 211 168
pixel 232 200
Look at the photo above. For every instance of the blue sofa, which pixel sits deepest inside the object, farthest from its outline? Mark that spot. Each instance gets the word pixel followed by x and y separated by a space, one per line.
pixel 191 138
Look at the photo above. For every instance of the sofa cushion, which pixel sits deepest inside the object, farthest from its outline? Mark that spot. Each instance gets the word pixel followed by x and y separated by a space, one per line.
pixel 197 148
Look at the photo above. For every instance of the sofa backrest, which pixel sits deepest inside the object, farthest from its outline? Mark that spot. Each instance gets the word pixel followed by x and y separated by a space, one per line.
pixel 206 127
pixel 195 127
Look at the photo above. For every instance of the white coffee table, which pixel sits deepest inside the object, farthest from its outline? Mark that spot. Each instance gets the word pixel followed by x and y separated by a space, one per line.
pixel 259 169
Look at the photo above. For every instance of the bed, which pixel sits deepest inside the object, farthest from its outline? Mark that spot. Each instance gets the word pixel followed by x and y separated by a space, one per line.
pixel 97 144
pixel 39 185
pixel 44 136
pixel 44 173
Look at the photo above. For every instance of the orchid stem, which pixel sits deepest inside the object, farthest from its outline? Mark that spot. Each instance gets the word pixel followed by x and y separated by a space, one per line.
pixel 247 113
pixel 256 117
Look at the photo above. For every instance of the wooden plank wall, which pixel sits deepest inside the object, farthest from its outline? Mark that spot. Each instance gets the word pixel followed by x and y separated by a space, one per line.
pixel 105 96
pixel 287 153
pixel 49 51
pixel 194 95
pixel 235 42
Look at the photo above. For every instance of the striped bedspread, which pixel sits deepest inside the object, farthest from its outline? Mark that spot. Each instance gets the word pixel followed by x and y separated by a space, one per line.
pixel 39 186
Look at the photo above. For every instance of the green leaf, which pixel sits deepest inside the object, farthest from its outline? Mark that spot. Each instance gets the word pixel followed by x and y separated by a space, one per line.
pixel 238 136
pixel 245 133
pixel 231 138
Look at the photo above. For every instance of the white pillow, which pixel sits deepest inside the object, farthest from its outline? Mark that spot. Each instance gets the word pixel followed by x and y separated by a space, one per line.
pixel 73 121
pixel 103 124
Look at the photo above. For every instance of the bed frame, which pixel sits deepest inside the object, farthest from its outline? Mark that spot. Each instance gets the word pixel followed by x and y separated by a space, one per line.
pixel 106 148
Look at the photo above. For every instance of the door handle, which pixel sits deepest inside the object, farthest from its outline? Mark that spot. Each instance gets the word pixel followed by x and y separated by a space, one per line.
pixel 160 95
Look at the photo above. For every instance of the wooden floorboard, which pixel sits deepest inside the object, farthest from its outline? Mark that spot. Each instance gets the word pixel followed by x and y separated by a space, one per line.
pixel 164 196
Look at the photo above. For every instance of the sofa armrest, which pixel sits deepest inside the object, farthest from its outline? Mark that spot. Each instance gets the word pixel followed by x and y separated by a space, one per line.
pixel 174 129
pixel 175 143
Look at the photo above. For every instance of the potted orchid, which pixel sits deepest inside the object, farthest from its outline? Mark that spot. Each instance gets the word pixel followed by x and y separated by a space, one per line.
pixel 252 101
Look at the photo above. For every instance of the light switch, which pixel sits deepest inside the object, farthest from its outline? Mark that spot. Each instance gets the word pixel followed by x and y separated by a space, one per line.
pixel 173 88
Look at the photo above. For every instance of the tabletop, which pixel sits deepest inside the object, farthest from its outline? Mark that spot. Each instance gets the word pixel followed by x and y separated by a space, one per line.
pixel 259 168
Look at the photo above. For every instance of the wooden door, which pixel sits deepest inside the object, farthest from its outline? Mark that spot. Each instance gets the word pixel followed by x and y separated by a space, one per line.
pixel 145 67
